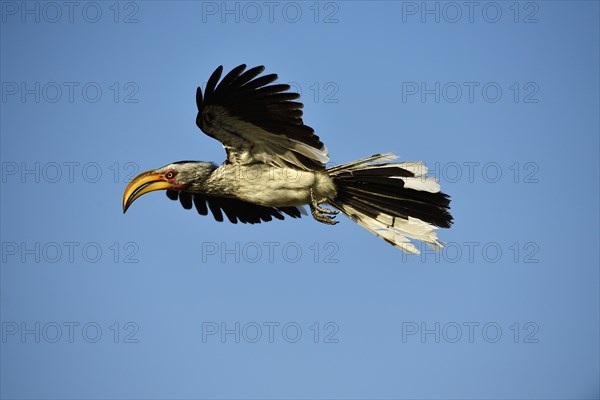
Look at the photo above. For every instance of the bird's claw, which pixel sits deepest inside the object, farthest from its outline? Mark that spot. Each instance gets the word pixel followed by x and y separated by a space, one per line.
pixel 324 210
pixel 322 214
pixel 322 217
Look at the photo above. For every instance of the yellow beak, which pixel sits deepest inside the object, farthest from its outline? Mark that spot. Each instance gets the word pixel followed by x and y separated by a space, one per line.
pixel 145 182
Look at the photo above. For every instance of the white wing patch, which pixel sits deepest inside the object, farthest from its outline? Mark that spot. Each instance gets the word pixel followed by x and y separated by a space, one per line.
pixel 248 143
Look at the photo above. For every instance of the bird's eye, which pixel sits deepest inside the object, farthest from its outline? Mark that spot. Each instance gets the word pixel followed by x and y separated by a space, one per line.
pixel 170 175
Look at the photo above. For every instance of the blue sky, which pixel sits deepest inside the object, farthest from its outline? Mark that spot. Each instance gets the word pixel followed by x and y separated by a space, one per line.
pixel 500 100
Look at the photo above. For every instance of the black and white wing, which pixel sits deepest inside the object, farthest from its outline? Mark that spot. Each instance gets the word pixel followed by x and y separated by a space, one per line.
pixel 235 210
pixel 258 121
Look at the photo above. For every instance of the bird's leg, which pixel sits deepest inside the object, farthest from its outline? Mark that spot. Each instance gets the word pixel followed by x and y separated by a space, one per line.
pixel 321 214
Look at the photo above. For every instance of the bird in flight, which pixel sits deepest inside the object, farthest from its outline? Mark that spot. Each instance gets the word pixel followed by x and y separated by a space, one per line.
pixel 276 164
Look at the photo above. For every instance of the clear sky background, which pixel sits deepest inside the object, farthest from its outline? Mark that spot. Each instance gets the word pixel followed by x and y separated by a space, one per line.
pixel 500 100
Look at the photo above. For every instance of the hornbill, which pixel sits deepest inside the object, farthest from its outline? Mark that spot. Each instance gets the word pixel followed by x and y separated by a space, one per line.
pixel 276 164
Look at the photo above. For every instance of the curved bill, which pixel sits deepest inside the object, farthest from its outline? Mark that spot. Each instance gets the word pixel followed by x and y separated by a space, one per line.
pixel 145 182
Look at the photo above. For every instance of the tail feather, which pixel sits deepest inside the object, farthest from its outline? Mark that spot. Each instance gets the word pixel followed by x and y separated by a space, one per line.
pixel 359 164
pixel 395 201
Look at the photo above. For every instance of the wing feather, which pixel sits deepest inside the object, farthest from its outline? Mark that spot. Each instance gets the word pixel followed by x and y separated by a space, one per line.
pixel 212 82
pixel 249 75
pixel 235 210
pixel 258 121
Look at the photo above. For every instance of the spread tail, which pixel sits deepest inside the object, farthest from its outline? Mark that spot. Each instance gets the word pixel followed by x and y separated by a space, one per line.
pixel 395 201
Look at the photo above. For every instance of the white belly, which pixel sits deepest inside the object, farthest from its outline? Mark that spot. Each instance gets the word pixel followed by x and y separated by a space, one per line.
pixel 263 184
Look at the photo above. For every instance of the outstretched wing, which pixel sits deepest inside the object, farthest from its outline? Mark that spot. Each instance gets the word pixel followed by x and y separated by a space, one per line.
pixel 258 121
pixel 235 210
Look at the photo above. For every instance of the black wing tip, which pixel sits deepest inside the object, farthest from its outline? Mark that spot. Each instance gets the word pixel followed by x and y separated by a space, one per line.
pixel 293 212
pixel 172 194
pixel 236 211
pixel 212 81
pixel 216 75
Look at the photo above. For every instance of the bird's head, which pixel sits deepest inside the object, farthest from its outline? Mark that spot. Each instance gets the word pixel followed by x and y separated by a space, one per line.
pixel 182 175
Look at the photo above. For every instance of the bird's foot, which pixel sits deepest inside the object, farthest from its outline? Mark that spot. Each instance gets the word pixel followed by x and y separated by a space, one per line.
pixel 322 217
pixel 324 210
pixel 322 214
